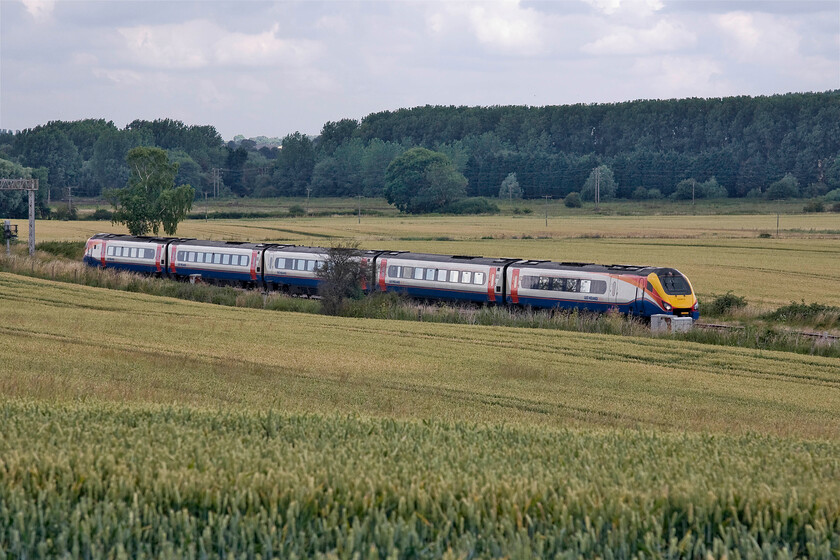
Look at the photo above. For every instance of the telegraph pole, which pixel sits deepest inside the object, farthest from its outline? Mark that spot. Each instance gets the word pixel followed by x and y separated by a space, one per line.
pixel 360 208
pixel 308 190
pixel 597 187
pixel 546 197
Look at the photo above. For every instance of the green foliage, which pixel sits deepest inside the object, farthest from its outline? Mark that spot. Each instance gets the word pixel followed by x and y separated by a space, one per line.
pixel 420 181
pixel 814 206
pixel 603 178
pixel 151 200
pixel 296 210
pixel 510 188
pixel 832 196
pixel 724 304
pixel 101 214
pixel 341 277
pixel 73 250
pixel 573 200
pixel 786 187
pixel 65 213
pixel 816 314
pixel 707 189
pixel 471 206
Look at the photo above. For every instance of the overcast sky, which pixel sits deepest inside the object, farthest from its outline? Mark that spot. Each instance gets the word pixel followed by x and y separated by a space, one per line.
pixel 271 68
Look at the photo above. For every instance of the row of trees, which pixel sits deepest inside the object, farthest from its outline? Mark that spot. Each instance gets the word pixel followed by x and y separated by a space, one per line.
pixel 737 145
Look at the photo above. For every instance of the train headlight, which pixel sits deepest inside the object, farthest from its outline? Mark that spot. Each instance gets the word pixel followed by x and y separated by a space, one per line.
pixel 696 306
pixel 667 306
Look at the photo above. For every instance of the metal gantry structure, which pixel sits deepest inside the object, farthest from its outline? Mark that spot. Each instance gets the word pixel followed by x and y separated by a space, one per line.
pixel 31 186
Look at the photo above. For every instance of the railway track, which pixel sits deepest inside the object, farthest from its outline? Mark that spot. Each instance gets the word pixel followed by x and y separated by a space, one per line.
pixel 830 338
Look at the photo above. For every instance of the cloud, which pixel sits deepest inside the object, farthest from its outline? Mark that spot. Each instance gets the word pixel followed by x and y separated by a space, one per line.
pixel 665 36
pixel 200 44
pixel 501 26
pixel 674 76
pixel 39 9
pixel 626 7
pixel 759 37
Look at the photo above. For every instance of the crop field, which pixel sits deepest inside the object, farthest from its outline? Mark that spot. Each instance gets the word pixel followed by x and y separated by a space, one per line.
pixel 718 253
pixel 136 426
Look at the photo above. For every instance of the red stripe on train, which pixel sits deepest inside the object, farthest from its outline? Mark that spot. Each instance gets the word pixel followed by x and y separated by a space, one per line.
pixel 382 268
pixel 514 286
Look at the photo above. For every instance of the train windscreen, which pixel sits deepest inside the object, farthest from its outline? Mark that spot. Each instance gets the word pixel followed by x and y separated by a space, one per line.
pixel 674 283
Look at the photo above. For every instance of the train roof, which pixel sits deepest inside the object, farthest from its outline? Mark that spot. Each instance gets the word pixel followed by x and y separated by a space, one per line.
pixel 138 238
pixel 630 269
pixel 457 259
pixel 224 244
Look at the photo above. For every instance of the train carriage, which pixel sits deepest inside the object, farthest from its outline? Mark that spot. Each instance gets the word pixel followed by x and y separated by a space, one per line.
pixel 145 255
pixel 423 275
pixel 293 269
pixel 217 261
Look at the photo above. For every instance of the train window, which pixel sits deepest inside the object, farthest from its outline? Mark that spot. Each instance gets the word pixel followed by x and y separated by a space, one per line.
pixel 544 283
pixel 132 252
pixel 110 251
pixel 119 251
pixel 225 259
pixel 149 253
pixel 453 275
pixel 584 286
pixel 674 284
pixel 571 285
pixel 528 282
pixel 407 272
pixel 310 266
pixel 441 275
pixel 279 263
pixel 244 260
pixel 430 274
pixel 217 258
pixel 478 278
pixel 466 277
pixel 598 287
pixel 418 273
pixel 394 271
pixel 190 256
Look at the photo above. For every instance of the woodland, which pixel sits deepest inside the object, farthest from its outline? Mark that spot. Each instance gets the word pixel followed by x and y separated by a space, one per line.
pixel 781 146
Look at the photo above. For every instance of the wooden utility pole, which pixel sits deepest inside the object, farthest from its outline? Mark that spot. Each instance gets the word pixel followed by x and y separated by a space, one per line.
pixel 597 187
pixel 546 197
pixel 31 186
pixel 360 208
pixel 308 190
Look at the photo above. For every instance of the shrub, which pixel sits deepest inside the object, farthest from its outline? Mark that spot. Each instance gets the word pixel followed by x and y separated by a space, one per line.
pixel 832 196
pixel 101 214
pixel 814 206
pixel 654 194
pixel 818 314
pixel 836 207
pixel 471 206
pixel 296 210
pixel 723 304
pixel 786 187
pixel 573 200
pixel 65 214
pixel 640 193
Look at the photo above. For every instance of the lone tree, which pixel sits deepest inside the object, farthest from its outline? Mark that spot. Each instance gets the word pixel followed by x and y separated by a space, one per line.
pixel 510 188
pixel 341 277
pixel 602 180
pixel 421 180
pixel 150 199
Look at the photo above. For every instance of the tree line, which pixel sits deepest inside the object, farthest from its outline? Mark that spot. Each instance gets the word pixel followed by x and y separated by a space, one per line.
pixel 735 146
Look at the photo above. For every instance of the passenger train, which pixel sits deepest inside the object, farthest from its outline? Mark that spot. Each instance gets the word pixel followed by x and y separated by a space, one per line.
pixel 635 290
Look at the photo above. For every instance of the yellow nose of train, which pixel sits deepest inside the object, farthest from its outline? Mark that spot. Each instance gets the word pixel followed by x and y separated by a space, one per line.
pixel 675 292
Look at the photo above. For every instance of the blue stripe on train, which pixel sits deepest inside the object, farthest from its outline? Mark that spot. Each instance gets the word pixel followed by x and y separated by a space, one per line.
pixel 215 274
pixel 437 293
pixel 292 280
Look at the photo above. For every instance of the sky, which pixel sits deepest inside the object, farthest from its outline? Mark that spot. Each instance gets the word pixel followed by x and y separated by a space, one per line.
pixel 272 68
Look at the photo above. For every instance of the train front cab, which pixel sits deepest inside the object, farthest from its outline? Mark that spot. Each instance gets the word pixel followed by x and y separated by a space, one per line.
pixel 673 294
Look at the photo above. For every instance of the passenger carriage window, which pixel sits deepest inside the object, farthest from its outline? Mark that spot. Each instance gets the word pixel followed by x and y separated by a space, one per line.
pixel 418 273
pixel 310 266
pixel 191 256
pixel 407 271
pixel 598 287
pixel 132 253
pixel 110 251
pixel 466 277
pixel 300 264
pixel 453 275
pixel 279 263
pixel 528 282
pixel 225 259
pixel 244 260
pixel 120 251
pixel 478 278
pixel 290 264
pixel 217 258
pixel 571 285
pixel 441 275
pixel 393 271
pixel 149 253
pixel 584 286
pixel 430 274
